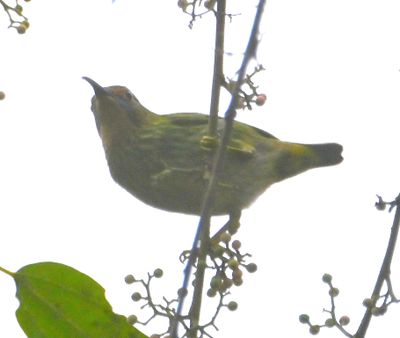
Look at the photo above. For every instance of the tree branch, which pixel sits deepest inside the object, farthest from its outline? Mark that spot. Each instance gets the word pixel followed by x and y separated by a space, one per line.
pixel 201 239
pixel 383 273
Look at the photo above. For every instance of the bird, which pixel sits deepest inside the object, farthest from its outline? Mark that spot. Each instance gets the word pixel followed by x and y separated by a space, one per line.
pixel 165 160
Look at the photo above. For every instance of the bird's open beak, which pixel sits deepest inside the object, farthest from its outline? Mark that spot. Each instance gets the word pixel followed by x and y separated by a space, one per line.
pixel 98 90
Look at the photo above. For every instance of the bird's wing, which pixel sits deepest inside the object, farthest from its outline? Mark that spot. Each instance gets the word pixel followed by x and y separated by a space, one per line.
pixel 195 119
pixel 188 119
pixel 263 133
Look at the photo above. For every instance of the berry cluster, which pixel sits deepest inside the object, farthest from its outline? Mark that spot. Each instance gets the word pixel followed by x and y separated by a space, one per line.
pixel 16 17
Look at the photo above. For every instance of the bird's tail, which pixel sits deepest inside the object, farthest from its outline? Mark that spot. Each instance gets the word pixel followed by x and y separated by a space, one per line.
pixel 297 158
pixel 326 154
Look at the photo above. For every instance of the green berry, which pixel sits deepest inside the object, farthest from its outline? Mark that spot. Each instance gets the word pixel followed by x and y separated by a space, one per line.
pixel 18 9
pixel 21 29
pixel 226 284
pixel 132 319
pixel 233 263
pixel 182 4
pixel 225 237
pixel 158 273
pixel 333 292
pixel 375 311
pixel 232 306
pixel 330 322
pixel 216 282
pixel 238 281
pixel 182 292
pixel 252 267
pixel 136 296
pixel 25 23
pixel 368 302
pixel 327 278
pixel 304 318
pixel 211 293
pixel 129 279
pixel 314 329
pixel 209 4
pixel 237 274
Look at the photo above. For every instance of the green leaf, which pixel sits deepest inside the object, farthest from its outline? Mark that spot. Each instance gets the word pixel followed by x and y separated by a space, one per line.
pixel 57 301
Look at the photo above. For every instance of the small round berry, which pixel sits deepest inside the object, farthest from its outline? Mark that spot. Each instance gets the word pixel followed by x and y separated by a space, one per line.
pixel 344 320
pixel 158 273
pixel 18 9
pixel 225 237
pixel 236 244
pixel 226 283
pixel 378 311
pixel 375 311
pixel 238 282
pixel 136 296
pixel 132 319
pixel 261 99
pixel 182 292
pixel 25 23
pixel 232 306
pixel 233 263
pixel 129 279
pixel 334 292
pixel 21 29
pixel 182 4
pixel 218 250
pixel 215 282
pixel 237 274
pixel 304 318
pixel 330 322
pixel 209 4
pixel 327 278
pixel 211 293
pixel 252 267
pixel 314 329
pixel 368 302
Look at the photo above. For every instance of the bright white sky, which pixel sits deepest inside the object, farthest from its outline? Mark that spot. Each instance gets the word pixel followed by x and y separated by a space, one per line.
pixel 332 75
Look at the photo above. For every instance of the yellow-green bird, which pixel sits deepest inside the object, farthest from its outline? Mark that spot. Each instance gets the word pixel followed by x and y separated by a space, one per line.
pixel 165 160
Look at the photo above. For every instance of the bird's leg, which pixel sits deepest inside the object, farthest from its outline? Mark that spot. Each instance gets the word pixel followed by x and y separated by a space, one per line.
pixel 231 226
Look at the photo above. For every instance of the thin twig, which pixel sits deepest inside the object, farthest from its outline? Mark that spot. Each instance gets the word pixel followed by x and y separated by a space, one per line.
pixel 383 273
pixel 219 159
pixel 194 313
pixel 218 67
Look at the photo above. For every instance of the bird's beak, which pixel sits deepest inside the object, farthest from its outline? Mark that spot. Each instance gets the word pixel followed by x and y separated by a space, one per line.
pixel 98 90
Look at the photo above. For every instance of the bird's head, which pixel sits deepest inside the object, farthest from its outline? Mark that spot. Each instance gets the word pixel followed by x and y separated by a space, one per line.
pixel 116 103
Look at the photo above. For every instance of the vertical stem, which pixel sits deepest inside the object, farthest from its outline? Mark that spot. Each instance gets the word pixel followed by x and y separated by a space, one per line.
pixel 194 312
pixel 204 227
pixel 218 67
pixel 383 273
pixel 202 237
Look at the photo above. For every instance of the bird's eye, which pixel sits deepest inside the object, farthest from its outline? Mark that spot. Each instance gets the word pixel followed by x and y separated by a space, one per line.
pixel 128 95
